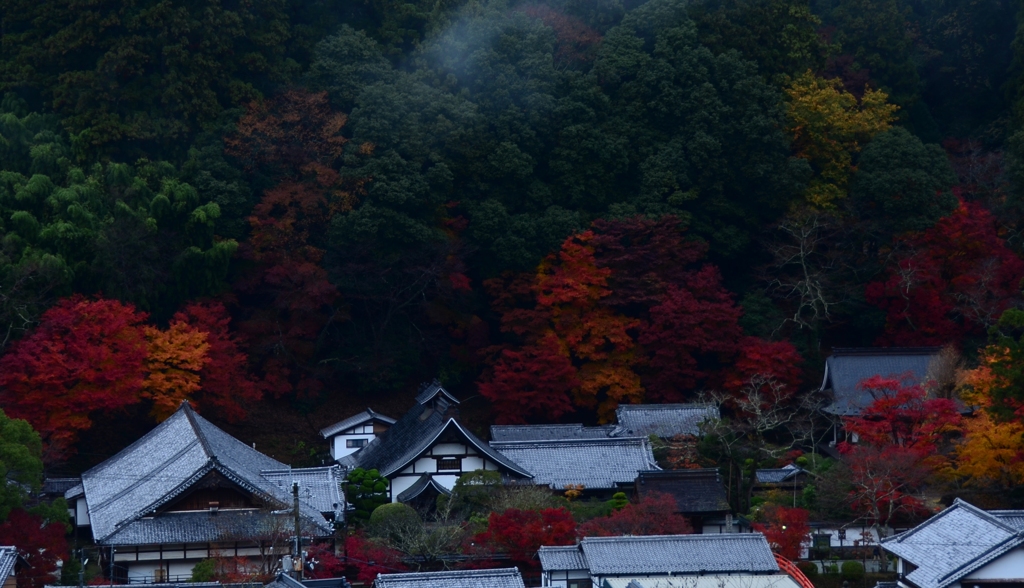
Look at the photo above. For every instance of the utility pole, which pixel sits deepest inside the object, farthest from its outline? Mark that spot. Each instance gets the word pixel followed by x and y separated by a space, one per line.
pixel 298 528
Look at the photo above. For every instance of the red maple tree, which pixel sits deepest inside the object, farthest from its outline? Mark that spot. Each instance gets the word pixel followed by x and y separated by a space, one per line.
pixel 786 530
pixel 41 543
pixel 654 514
pixel 85 356
pixel 950 281
pixel 520 533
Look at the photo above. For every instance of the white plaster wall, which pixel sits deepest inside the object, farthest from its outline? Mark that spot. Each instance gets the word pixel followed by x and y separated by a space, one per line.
pixel 340 450
pixel 81 513
pixel 181 568
pixel 472 463
pixel 1008 567
pixel 399 485
pixel 423 465
pixel 448 481
pixel 448 449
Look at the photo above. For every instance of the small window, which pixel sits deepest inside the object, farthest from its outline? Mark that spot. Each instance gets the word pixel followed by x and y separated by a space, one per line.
pixel 449 463
pixel 580 584
pixel 355 443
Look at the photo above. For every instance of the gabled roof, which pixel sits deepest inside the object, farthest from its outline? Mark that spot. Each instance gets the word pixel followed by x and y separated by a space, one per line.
pixel 165 462
pixel 779 475
pixel 1014 518
pixel 496 578
pixel 561 558
pixel 425 482
pixel 845 369
pixel 503 433
pixel 954 543
pixel 595 463
pixel 8 559
pixel 663 420
pixel 354 421
pixel 432 390
pixel 416 432
pixel 725 553
pixel 696 491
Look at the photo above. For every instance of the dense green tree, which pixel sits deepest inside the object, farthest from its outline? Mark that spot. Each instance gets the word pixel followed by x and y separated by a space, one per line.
pixel 132 76
pixel 21 464
pixel 902 184
pixel 780 36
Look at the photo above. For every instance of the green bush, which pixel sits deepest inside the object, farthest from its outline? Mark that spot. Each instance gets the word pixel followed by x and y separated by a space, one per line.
pixel 810 569
pixel 204 571
pixel 853 571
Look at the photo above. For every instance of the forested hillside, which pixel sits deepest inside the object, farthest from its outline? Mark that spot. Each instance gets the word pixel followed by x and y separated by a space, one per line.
pixel 286 211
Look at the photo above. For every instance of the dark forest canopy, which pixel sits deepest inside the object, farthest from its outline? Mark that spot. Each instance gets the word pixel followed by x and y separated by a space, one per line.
pixel 340 199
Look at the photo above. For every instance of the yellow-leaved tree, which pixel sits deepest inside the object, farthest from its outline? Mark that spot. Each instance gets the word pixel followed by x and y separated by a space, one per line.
pixel 829 125
pixel 174 361
pixel 991 453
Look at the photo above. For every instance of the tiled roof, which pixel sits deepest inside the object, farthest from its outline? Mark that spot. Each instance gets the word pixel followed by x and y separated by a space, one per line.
pixel 502 433
pixel 713 581
pixel 845 369
pixel 695 491
pixel 724 553
pixel 318 487
pixel 354 420
pixel 8 559
pixel 1014 518
pixel 205 527
pixel 424 482
pixel 663 420
pixel 678 554
pixel 429 391
pixel 497 578
pixel 561 558
pixel 778 475
pixel 953 543
pixel 414 433
pixel 595 463
pixel 165 462
pixel 58 486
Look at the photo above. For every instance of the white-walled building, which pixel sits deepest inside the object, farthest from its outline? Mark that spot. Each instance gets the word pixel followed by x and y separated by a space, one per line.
pixel 188 491
pixel 354 433
pixel 962 547
pixel 425 452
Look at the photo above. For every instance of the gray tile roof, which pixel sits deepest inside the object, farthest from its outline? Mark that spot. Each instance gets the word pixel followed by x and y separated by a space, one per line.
pixel 696 491
pixel 561 558
pixel 204 527
pixel 779 475
pixel 710 581
pixel 953 543
pixel 357 419
pixel 58 486
pixel 663 420
pixel 845 369
pixel 675 554
pixel 595 463
pixel 165 462
pixel 8 559
pixel 1014 518
pixel 423 483
pixel 429 391
pixel 496 578
pixel 416 432
pixel 318 487
pixel 501 433
pixel 73 492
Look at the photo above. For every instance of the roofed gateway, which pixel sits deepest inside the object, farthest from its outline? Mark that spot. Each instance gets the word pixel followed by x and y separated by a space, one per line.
pixel 187 491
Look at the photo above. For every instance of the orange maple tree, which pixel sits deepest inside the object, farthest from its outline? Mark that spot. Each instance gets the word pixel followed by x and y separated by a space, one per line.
pixel 173 362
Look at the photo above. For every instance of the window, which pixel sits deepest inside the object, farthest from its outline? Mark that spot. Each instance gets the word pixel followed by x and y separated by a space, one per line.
pixel 449 463
pixel 356 443
pixel 580 584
